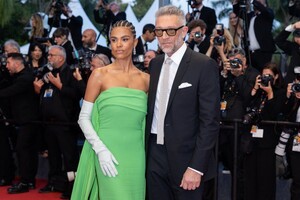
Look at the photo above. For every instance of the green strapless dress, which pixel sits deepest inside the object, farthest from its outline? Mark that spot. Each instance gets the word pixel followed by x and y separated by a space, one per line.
pixel 118 117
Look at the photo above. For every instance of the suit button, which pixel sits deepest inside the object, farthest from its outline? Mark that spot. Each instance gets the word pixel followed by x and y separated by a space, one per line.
pixel 167 124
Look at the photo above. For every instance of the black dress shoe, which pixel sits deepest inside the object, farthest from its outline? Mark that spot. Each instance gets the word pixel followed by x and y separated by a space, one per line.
pixel 4 182
pixel 31 186
pixel 19 188
pixel 48 188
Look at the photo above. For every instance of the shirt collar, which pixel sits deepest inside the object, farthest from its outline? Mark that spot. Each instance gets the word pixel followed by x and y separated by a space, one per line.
pixel 177 56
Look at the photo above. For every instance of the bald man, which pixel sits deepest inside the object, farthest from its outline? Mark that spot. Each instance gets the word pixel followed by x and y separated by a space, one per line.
pixel 90 44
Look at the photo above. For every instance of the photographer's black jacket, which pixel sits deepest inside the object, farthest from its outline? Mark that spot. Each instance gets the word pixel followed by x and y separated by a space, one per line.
pixel 238 99
pixel 292 49
pixel 270 111
pixel 23 100
pixel 63 105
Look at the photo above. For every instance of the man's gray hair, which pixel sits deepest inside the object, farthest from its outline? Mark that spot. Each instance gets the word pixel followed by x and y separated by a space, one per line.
pixel 103 58
pixel 12 43
pixel 62 51
pixel 171 10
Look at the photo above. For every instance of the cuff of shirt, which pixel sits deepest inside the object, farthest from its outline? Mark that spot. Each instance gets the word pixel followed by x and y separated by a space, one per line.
pixel 196 171
pixel 290 28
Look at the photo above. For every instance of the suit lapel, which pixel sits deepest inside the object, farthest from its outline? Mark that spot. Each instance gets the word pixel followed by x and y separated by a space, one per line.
pixel 183 66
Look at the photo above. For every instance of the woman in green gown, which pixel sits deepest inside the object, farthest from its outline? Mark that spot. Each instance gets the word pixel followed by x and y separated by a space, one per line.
pixel 112 163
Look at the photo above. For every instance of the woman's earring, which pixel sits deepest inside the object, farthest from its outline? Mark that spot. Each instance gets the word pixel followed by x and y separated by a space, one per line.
pixel 134 51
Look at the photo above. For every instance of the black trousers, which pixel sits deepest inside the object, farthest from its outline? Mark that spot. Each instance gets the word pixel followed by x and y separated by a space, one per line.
pixel 160 183
pixel 62 149
pixel 7 168
pixel 26 149
pixel 260 174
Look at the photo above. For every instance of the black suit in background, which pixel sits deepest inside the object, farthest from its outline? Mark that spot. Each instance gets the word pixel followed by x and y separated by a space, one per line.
pixel 108 19
pixel 292 49
pixel 75 27
pixel 208 15
pixel 24 108
pixel 69 50
pixel 140 47
pixel 191 127
pixel 263 31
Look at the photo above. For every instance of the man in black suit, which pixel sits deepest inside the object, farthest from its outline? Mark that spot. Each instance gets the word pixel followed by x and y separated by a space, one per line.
pixel 197 40
pixel 183 114
pixel 110 14
pixel 259 26
pixel 147 36
pixel 90 44
pixel 24 108
pixel 208 15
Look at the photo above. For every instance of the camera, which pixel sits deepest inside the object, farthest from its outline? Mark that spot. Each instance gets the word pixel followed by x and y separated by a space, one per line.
pixel 42 72
pixel 295 87
pixel 218 40
pixel 235 63
pixel 83 62
pixel 265 79
pixel 220 29
pixel 198 34
pixel 253 117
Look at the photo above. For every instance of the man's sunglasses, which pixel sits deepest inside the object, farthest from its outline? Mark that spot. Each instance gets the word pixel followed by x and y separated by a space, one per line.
pixel 169 31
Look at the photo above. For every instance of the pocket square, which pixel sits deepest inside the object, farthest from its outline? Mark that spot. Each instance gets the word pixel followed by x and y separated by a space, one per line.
pixel 184 85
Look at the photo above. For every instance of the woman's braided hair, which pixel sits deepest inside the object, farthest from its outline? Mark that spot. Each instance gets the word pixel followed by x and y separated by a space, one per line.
pixel 125 23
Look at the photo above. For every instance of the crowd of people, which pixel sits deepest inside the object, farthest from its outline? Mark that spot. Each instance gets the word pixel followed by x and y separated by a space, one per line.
pixel 151 118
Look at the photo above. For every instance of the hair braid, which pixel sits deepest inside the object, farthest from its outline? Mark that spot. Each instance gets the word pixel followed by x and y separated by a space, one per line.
pixel 125 23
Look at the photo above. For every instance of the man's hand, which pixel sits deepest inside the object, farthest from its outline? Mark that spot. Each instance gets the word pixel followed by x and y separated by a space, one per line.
pixel 191 180
pixel 37 84
pixel 55 80
pixel 77 74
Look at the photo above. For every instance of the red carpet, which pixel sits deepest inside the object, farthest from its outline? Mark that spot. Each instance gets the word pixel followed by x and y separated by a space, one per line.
pixel 31 195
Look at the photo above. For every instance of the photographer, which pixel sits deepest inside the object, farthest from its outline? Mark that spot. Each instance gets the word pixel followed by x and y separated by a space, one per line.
pixel 260 140
pixel 24 110
pixel 237 80
pixel 60 37
pixel 289 140
pixel 97 61
pixel 59 103
pixel 109 14
pixel 197 40
pixel 259 25
pixel 221 43
pixel 61 15
pixel 291 48
pixel 199 11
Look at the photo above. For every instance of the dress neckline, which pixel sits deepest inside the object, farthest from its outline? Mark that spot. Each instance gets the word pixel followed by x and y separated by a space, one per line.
pixel 125 88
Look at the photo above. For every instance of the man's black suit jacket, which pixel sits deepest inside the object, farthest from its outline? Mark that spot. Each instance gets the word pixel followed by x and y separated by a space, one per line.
pixel 140 47
pixel 104 50
pixel 208 15
pixel 192 118
pixel 262 25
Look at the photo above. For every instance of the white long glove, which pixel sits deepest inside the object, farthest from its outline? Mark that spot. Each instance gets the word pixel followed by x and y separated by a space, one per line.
pixel 106 159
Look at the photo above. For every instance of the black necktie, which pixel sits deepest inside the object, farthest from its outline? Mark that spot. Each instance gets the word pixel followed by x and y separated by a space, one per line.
pixel 146 47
